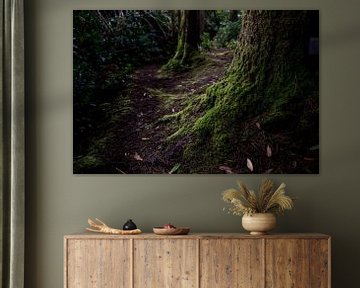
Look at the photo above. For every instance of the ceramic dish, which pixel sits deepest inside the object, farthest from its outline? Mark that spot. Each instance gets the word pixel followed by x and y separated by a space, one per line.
pixel 171 231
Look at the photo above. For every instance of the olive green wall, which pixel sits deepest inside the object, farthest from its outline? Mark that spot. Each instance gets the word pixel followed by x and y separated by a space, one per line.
pixel 59 202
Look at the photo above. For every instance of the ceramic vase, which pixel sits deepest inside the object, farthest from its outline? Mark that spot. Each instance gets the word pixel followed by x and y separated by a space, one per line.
pixel 259 223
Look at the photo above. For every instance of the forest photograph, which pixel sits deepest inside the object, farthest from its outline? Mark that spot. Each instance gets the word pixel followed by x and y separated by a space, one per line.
pixel 196 92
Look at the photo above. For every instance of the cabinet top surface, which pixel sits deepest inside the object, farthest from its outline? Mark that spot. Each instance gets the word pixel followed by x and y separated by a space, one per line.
pixel 87 235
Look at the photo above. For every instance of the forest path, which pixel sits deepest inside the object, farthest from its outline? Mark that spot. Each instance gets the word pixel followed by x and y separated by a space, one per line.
pixel 153 95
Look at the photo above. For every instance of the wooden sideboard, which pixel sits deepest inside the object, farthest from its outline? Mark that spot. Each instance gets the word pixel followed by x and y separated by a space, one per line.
pixel 197 261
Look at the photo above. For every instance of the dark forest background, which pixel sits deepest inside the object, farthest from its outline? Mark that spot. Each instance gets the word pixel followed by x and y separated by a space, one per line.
pixel 192 91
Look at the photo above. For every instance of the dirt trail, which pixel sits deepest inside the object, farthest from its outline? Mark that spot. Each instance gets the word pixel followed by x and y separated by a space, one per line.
pixel 140 147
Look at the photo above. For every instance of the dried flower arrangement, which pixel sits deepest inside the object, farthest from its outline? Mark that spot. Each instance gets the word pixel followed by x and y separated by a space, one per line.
pixel 247 202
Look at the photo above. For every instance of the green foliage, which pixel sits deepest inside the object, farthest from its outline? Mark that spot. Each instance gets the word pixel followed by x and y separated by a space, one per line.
pixel 87 164
pixel 265 98
pixel 205 44
pixel 213 20
pixel 107 46
pixel 227 34
pixel 173 65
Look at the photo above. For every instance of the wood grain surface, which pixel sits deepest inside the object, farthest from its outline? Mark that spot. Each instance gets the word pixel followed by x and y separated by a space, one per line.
pixel 165 263
pixel 98 263
pixel 319 263
pixel 88 235
pixel 287 263
pixel 197 261
pixel 230 263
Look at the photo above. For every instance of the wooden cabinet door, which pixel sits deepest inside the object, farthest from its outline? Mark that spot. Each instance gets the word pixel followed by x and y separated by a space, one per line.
pixel 165 263
pixel 231 263
pixel 297 263
pixel 320 263
pixel 287 263
pixel 98 263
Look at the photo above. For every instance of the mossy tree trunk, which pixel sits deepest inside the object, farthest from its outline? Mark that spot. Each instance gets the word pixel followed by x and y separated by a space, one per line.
pixel 175 19
pixel 191 23
pixel 272 81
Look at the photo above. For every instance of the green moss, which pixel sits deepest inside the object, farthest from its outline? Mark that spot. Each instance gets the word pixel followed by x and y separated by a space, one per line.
pixel 191 58
pixel 88 163
pixel 173 65
pixel 267 83
pixel 235 100
pixel 168 99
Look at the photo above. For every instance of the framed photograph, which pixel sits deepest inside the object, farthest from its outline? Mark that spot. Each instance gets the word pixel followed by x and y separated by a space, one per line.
pixel 195 91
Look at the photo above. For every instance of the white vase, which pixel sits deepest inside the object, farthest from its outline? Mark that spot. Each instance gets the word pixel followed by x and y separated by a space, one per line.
pixel 259 223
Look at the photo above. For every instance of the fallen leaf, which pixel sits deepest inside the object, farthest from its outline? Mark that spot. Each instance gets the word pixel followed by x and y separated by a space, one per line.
pixel 309 159
pixel 258 125
pixel 138 157
pixel 249 165
pixel 268 151
pixel 175 168
pixel 314 148
pixel 119 170
pixel 145 139
pixel 225 168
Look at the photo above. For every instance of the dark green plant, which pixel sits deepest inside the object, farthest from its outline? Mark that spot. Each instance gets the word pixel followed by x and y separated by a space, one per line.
pixel 227 34
pixel 205 42
pixel 107 46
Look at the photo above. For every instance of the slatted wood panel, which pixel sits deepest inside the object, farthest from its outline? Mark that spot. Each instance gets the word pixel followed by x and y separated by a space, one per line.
pixel 319 263
pixel 287 263
pixel 231 263
pixel 98 264
pixel 197 261
pixel 165 263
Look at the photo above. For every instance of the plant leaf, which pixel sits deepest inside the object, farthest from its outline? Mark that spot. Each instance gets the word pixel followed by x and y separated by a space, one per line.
pixel 138 157
pixel 229 194
pixel 249 165
pixel 314 148
pixel 175 168
pixel 265 193
pixel 268 151
pixel 279 202
pixel 248 197
pixel 225 168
